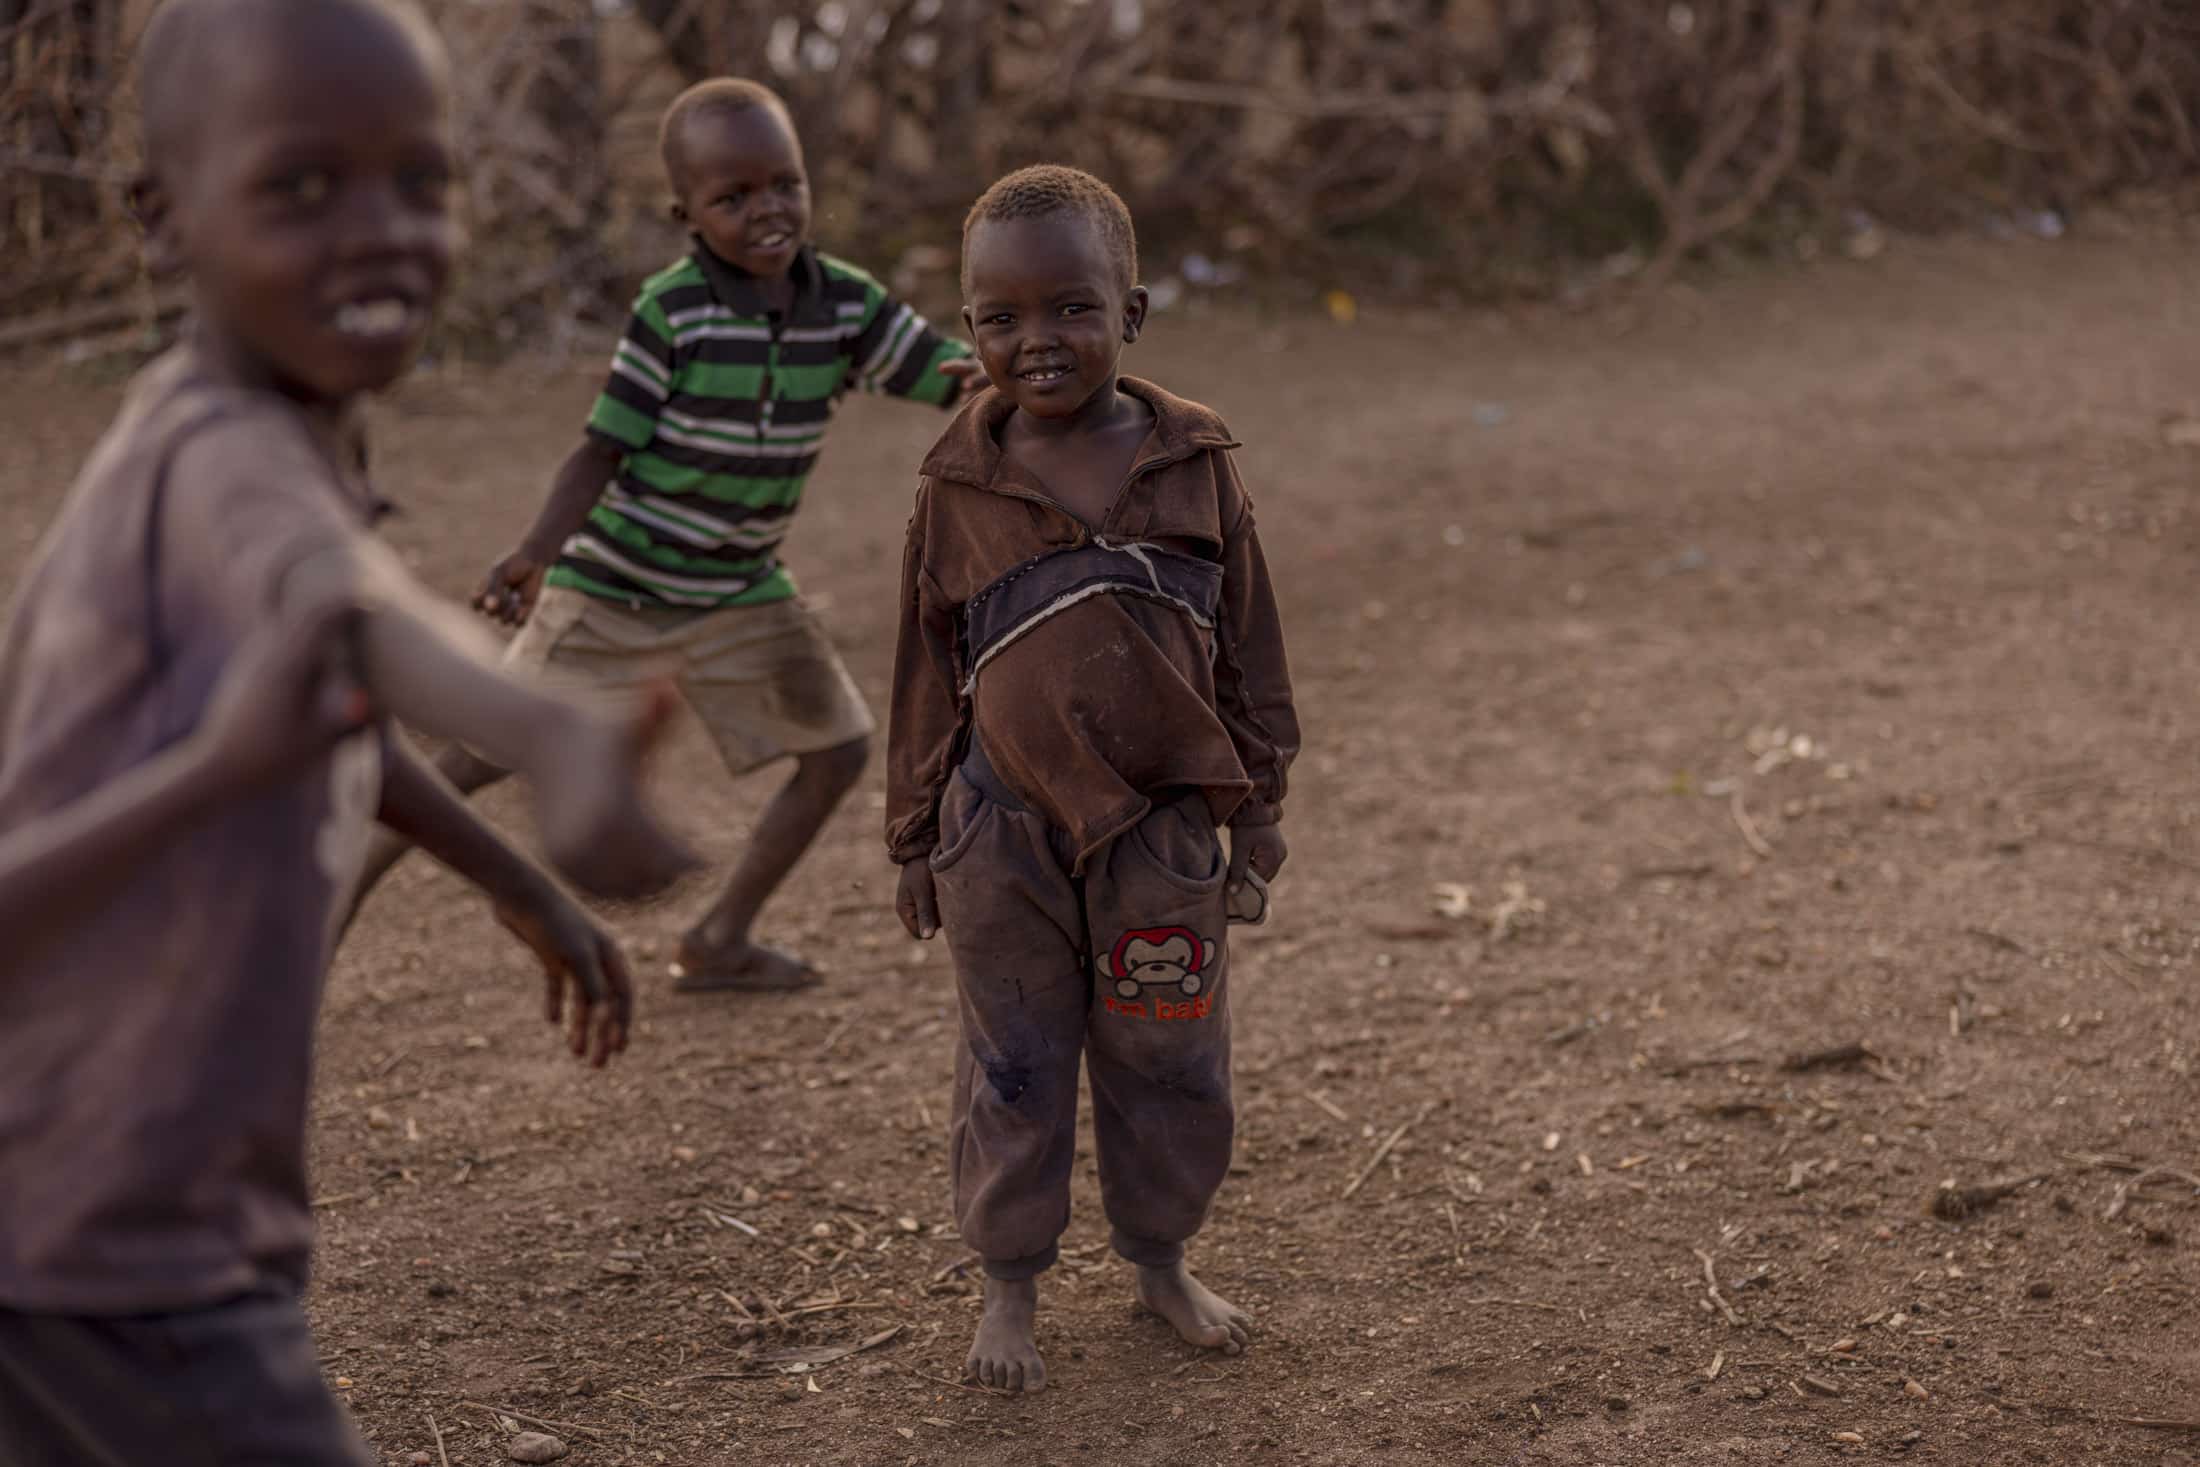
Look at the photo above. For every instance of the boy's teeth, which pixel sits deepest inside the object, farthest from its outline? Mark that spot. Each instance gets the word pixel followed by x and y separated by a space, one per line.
pixel 374 318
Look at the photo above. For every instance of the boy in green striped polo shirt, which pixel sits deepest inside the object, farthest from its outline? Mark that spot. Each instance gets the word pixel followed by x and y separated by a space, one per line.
pixel 659 541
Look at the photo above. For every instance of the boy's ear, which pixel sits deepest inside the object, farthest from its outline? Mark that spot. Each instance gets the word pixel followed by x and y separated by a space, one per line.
pixel 149 205
pixel 1134 314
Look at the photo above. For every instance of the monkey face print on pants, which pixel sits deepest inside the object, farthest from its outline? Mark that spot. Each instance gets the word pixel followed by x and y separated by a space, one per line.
pixel 1157 957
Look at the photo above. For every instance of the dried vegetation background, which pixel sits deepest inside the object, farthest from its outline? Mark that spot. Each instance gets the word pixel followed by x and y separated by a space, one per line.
pixel 1484 146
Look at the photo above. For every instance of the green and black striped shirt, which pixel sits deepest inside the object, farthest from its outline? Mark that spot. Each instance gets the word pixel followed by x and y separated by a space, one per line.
pixel 718 406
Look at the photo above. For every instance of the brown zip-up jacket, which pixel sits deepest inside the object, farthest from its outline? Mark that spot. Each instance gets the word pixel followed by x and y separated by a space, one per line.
pixel 1149 659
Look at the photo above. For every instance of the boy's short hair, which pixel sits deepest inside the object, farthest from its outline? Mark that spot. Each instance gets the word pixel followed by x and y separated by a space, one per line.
pixel 1047 189
pixel 185 45
pixel 724 96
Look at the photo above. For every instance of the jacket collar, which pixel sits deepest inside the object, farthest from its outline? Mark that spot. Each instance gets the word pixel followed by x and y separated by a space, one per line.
pixel 969 452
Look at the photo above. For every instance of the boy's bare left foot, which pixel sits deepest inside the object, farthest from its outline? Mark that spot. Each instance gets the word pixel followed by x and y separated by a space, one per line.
pixel 737 967
pixel 1202 1316
pixel 1005 1355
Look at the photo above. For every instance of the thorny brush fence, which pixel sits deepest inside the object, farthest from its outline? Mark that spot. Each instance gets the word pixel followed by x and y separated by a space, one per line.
pixel 1493 144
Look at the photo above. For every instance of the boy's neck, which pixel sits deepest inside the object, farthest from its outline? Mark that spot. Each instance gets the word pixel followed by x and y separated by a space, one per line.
pixel 1103 412
pixel 333 421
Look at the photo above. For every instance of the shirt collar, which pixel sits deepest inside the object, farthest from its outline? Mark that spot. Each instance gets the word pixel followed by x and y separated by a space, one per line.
pixel 743 294
pixel 969 452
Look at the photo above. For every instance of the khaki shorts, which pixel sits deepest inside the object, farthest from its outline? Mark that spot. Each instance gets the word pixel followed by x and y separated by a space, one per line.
pixel 765 680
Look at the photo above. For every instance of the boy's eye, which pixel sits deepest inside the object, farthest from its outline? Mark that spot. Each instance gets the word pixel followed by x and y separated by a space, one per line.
pixel 733 200
pixel 1075 309
pixel 426 186
pixel 1001 318
pixel 306 187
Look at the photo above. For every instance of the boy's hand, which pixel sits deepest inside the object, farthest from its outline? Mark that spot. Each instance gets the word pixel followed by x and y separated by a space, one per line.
pixel 576 952
pixel 509 591
pixel 596 826
pixel 917 901
pixel 288 694
pixel 1257 848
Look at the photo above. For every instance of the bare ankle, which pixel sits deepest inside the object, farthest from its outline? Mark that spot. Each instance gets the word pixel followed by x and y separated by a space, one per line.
pixel 1011 1293
pixel 714 934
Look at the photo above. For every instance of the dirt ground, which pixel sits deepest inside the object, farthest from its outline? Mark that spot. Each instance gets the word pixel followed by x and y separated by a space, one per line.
pixel 1792 663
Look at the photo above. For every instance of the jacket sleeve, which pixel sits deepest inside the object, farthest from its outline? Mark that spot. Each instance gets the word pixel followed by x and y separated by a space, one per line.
pixel 928 706
pixel 1252 676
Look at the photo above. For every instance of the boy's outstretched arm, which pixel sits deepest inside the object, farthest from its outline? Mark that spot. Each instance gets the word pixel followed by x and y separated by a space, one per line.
pixel 420 805
pixel 899 353
pixel 424 664
pixel 284 699
pixel 644 368
pixel 508 592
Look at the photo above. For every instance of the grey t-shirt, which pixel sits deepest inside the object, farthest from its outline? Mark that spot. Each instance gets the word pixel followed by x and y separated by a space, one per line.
pixel 155 1064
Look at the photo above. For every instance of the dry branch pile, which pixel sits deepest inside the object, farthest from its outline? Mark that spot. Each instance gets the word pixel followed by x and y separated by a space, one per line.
pixel 1490 141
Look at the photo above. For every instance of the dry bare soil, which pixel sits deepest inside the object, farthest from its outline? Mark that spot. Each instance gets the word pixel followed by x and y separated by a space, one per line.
pixel 1802 663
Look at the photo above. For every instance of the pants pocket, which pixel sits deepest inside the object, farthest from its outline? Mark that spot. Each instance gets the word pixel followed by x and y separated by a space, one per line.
pixel 1181 845
pixel 963 815
pixel 1158 918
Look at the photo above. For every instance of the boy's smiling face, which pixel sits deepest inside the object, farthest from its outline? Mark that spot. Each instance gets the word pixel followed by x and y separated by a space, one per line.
pixel 309 198
pixel 742 187
pixel 1051 310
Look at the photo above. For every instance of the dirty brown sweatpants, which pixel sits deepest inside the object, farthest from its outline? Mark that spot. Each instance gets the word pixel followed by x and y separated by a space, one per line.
pixel 1125 967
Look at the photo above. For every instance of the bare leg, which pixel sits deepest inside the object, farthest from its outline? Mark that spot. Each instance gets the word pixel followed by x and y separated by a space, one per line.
pixel 468 772
pixel 1203 1317
pixel 1005 1355
pixel 718 953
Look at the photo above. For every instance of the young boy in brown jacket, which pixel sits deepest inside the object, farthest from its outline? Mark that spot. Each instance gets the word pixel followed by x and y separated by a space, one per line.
pixel 1090 681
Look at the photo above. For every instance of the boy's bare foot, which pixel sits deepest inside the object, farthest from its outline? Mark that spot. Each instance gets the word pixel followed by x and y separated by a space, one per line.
pixel 702 967
pixel 1005 1356
pixel 1203 1317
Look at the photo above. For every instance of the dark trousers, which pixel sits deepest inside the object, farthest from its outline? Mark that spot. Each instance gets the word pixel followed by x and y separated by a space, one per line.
pixel 1126 968
pixel 235 1385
